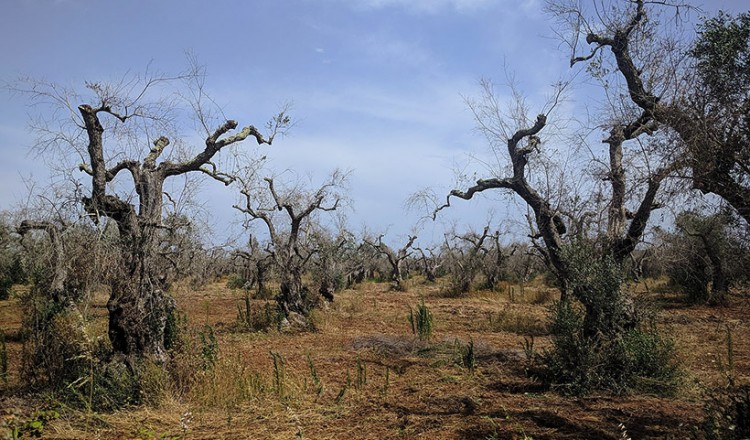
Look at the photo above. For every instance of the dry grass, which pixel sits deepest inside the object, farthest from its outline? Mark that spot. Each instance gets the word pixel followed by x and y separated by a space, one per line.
pixel 412 389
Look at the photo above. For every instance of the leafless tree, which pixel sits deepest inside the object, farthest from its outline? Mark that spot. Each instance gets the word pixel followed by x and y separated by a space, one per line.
pixel 465 255
pixel 256 266
pixel 363 262
pixel 523 141
pixel 495 261
pixel 396 259
pixel 430 263
pixel 109 130
pixel 335 261
pixel 290 238
pixel 10 257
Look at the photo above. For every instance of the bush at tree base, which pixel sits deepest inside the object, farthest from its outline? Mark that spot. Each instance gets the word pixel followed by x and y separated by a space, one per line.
pixel 600 338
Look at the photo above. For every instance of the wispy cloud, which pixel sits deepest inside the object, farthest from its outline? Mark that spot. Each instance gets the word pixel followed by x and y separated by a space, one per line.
pixel 384 49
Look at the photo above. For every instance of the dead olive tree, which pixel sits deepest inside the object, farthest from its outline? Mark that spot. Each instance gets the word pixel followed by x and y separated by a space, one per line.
pixel 255 267
pixel 335 261
pixel 290 239
pixel 122 128
pixel 395 259
pixel 431 263
pixel 11 270
pixel 697 255
pixel 584 235
pixel 523 139
pixel 496 262
pixel 465 254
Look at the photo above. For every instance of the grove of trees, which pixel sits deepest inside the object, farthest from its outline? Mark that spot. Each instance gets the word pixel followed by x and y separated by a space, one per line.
pixel 671 124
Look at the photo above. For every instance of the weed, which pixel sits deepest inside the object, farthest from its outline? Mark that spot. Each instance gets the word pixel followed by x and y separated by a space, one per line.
pixel 727 414
pixel 252 319
pixel 386 382
pixel 361 374
pixel 30 427
pixel 528 348
pixel 539 297
pixel 513 321
pixel 279 374
pixel 342 392
pixel 421 321
pixel 315 378
pixel 3 359
pixel 623 432
pixel 468 357
pixel 152 434
pixel 175 328
pixel 229 383
pixel 727 409
pixel 728 369
pixel 209 347
pixel 186 419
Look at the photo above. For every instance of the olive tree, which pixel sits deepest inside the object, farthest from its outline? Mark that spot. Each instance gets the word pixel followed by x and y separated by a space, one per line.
pixel 465 255
pixel 432 263
pixel 627 209
pixel 122 133
pixel 395 258
pixel 288 214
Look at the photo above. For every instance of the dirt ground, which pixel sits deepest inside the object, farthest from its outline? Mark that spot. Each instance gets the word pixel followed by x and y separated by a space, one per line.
pixel 362 374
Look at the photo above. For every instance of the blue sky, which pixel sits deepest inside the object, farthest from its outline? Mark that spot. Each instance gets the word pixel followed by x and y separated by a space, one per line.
pixel 377 86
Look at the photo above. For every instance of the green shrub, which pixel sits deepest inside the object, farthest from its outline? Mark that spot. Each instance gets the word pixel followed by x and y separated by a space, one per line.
pixel 651 362
pixel 639 360
pixel 236 281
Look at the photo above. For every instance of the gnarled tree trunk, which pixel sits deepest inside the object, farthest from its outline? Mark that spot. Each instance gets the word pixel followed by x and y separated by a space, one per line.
pixel 139 305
